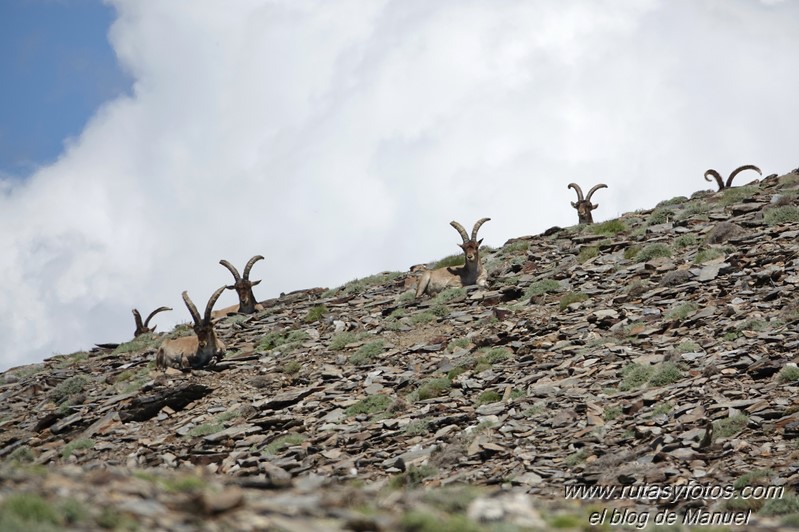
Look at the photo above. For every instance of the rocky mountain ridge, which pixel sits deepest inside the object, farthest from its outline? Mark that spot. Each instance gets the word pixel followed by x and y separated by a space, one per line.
pixel 657 349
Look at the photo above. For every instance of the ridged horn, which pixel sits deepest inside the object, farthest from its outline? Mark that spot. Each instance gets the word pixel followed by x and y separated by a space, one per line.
pixel 137 317
pixel 249 265
pixel 209 307
pixel 477 226
pixel 715 175
pixel 461 230
pixel 594 189
pixel 741 169
pixel 579 191
pixel 192 309
pixel 232 269
pixel 153 313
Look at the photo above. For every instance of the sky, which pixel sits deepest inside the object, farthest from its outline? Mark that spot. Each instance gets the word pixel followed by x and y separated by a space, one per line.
pixel 142 142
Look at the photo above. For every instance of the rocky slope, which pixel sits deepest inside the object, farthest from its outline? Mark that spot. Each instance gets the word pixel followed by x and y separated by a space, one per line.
pixel 655 351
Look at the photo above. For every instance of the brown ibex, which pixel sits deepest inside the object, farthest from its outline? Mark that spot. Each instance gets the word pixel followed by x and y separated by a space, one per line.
pixel 722 185
pixel 470 273
pixel 142 328
pixel 193 351
pixel 243 286
pixel 584 205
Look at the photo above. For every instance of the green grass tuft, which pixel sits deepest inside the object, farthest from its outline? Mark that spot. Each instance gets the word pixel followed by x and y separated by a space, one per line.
pixel 609 227
pixel 315 313
pixel 68 387
pixel 587 253
pixel 665 374
pixel 71 447
pixel 653 251
pixel 571 297
pixel 341 340
pixel 282 442
pixel 366 353
pixel 634 376
pixel 374 404
pixel 788 374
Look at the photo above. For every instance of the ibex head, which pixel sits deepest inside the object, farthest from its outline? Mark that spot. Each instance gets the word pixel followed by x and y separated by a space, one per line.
pixel 243 285
pixel 470 246
pixel 584 205
pixel 720 182
pixel 142 328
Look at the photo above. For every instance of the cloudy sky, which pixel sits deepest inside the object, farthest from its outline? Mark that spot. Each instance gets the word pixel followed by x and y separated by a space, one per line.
pixel 338 138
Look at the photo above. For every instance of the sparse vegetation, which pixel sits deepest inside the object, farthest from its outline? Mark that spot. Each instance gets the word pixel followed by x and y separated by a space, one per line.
pixel 70 386
pixel 458 343
pixel 665 374
pixel 423 317
pixel 358 286
pixel 68 360
pixel 781 215
pixel 291 367
pixel 143 342
pixel 413 476
pixel 450 261
pixel 611 413
pixel 420 521
pixel 450 294
pixel 366 353
pixel 488 396
pixel 541 287
pixel 24 511
pixel 515 248
pixel 708 254
pixel 286 340
pixel 282 442
pixel 575 458
pixel 587 253
pixel 571 297
pixel 789 374
pixel 681 312
pixel 341 340
pixel 315 313
pixel 205 429
pixel 724 428
pixel 71 447
pixel 653 251
pixel 634 376
pixel 660 215
pixel 431 388
pixel 609 227
pixel 374 404
pixel 418 427
pixel 183 484
pixel 685 241
pixel 731 196
pixel 689 346
pixel 631 252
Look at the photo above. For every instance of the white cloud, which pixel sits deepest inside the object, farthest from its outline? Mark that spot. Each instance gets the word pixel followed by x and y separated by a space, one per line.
pixel 338 139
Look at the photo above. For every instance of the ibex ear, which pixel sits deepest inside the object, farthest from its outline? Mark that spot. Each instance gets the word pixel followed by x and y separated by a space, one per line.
pixel 255 282
pixel 479 242
pixel 231 287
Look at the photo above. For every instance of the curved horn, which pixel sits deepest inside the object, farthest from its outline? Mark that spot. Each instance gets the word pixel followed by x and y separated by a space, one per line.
pixel 477 226
pixel 211 302
pixel 594 189
pixel 153 313
pixel 741 169
pixel 232 269
pixel 579 191
pixel 137 317
pixel 715 176
pixel 249 265
pixel 460 230
pixel 192 309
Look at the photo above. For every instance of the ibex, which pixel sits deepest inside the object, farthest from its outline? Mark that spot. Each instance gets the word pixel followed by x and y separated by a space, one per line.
pixel 722 185
pixel 142 328
pixel 584 206
pixel 472 272
pixel 243 285
pixel 193 351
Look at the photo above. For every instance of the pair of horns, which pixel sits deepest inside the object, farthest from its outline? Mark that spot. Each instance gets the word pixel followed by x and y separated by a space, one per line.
pixel 247 268
pixel 193 310
pixel 722 185
pixel 579 191
pixel 475 229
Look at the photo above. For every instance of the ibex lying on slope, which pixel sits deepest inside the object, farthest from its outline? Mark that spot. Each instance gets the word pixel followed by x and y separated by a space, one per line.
pixel 722 185
pixel 193 351
pixel 472 272
pixel 142 328
pixel 243 287
pixel 584 206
